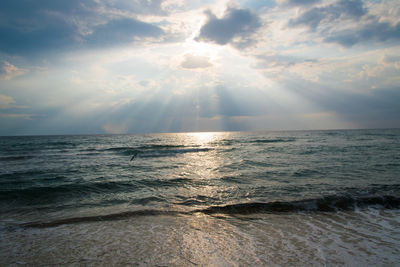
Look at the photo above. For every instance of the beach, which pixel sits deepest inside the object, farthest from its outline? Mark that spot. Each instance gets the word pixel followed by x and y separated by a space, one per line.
pixel 320 198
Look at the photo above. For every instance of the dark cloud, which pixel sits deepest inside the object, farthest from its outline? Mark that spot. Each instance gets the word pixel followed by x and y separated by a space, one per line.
pixel 343 9
pixel 24 12
pixel 377 109
pixel 369 28
pixel 235 27
pixel 369 109
pixel 374 31
pixel 28 27
pixel 137 6
pixel 55 35
pixel 121 31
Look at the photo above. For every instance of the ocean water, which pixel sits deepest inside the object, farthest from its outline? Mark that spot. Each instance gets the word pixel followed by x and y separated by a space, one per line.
pixel 291 198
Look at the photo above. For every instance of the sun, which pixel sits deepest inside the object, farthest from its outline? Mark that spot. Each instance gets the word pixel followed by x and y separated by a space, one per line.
pixel 199 48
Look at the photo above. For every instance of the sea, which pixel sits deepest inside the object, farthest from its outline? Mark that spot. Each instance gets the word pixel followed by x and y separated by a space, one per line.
pixel 288 198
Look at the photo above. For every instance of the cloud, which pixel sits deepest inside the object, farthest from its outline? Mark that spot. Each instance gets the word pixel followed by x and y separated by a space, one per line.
pixel 348 23
pixel 138 7
pixel 283 74
pixel 121 31
pixel 299 2
pixel 353 102
pixel 272 61
pixel 343 9
pixel 236 28
pixel 23 12
pixel 257 4
pixel 391 60
pixel 31 26
pixel 6 102
pixel 195 62
pixel 28 27
pixel 377 109
pixel 281 66
pixel 16 115
pixel 372 31
pixel 9 71
pixel 53 34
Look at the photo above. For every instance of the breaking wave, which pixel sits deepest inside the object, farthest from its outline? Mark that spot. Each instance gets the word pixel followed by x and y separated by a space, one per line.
pixel 323 204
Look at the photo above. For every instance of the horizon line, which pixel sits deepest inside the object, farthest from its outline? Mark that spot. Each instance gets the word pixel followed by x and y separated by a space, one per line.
pixel 188 132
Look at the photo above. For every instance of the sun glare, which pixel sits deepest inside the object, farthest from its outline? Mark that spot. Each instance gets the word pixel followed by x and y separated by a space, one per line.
pixel 201 48
pixel 203 137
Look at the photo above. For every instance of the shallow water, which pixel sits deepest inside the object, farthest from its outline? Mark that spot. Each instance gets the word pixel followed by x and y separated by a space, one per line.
pixel 367 238
pixel 222 199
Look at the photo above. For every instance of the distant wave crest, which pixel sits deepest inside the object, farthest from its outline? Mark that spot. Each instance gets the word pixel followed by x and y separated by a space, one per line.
pixel 15 158
pixel 278 140
pixel 154 151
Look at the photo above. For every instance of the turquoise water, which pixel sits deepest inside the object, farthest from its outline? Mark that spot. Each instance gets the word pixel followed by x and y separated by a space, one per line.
pixel 332 191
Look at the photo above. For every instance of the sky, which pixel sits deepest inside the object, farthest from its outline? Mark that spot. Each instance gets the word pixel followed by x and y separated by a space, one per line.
pixel 141 66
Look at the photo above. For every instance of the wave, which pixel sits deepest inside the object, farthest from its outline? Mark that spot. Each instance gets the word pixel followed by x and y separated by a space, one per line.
pixel 108 217
pixel 171 152
pixel 62 191
pixel 278 140
pixel 324 204
pixel 141 148
pixel 16 158
pixel 62 144
pixel 146 200
pixel 157 183
pixel 155 151
pixel 24 192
